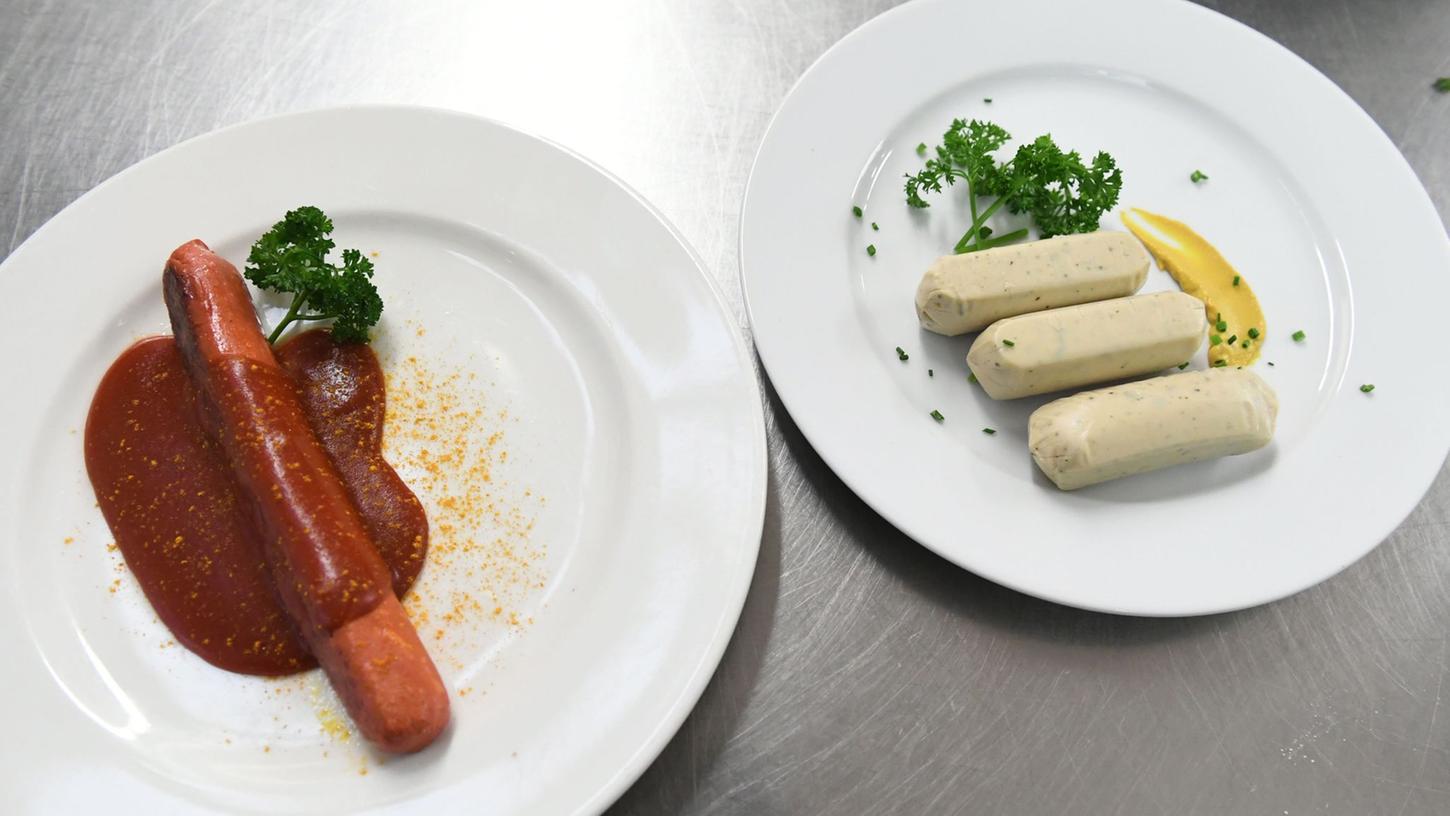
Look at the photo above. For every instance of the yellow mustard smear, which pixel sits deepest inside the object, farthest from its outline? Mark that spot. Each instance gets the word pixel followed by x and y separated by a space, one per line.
pixel 1235 319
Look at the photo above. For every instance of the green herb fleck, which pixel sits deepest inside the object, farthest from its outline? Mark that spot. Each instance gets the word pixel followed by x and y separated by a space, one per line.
pixel 1443 84
pixel 989 431
pixel 1367 387
pixel 1221 325
pixel 1220 363
pixel 1214 339
pixel 856 211
pixel 971 377
pixel 921 149
pixel 930 373
pixel 1254 334
pixel 874 227
pixel 292 257
pixel 871 250
pixel 936 415
pixel 1197 176
pixel 901 355
pixel 1233 338
pixel 1182 366
pixel 1236 280
pixel 1271 364
pixel 1244 344
pixel 1008 343
pixel 1298 336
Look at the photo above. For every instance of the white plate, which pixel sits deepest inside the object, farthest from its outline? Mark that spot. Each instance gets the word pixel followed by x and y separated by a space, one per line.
pixel 581 326
pixel 1306 196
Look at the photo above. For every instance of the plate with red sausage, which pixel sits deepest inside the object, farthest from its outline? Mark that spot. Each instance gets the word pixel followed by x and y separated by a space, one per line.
pixel 388 456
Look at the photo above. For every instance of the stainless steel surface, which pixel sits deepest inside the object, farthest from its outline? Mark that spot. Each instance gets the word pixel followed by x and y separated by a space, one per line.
pixel 867 675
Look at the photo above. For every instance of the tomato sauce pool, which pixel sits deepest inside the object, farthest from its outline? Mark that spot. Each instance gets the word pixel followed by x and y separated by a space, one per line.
pixel 187 534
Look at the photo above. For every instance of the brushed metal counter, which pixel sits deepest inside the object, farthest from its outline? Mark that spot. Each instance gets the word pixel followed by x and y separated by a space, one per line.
pixel 867 675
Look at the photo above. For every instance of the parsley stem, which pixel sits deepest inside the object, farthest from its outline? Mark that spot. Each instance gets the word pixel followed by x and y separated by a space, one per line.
pixel 977 221
pixel 286 320
pixel 999 240
pixel 971 199
pixel 293 317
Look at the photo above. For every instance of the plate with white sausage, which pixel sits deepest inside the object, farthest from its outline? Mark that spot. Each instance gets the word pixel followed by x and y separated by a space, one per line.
pixel 1091 319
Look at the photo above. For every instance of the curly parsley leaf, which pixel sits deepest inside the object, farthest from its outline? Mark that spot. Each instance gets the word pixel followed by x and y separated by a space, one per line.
pixel 965 154
pixel 1061 193
pixel 291 257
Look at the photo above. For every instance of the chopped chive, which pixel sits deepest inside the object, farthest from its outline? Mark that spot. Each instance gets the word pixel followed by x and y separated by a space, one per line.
pixel 1244 344
pixel 901 355
pixel 1298 336
pixel 871 250
pixel 987 99
pixel 1008 343
pixel 921 149
pixel 1217 316
pixel 856 211
pixel 930 373
pixel 1443 84
pixel 1271 364
pixel 1214 339
pixel 1367 387
pixel 873 226
pixel 971 378
pixel 1233 338
pixel 1253 334
pixel 936 415
pixel 1197 175
pixel 1221 325
pixel 1182 366
pixel 1236 280
pixel 1220 363
pixel 989 431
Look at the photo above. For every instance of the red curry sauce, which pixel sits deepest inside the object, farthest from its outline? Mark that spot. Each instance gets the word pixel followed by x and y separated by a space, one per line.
pixel 345 398
pixel 172 502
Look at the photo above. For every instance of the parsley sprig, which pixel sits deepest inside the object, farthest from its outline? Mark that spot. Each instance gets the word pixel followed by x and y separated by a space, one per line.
pixel 292 257
pixel 1059 191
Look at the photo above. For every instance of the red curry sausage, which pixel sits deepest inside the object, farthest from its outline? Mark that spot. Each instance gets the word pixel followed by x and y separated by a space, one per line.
pixel 328 574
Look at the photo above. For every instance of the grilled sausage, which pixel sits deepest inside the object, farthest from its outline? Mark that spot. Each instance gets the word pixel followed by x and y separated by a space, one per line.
pixel 328 575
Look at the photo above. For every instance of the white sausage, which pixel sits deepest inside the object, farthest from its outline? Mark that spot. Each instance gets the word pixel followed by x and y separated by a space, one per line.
pixel 965 293
pixel 1134 428
pixel 1087 344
